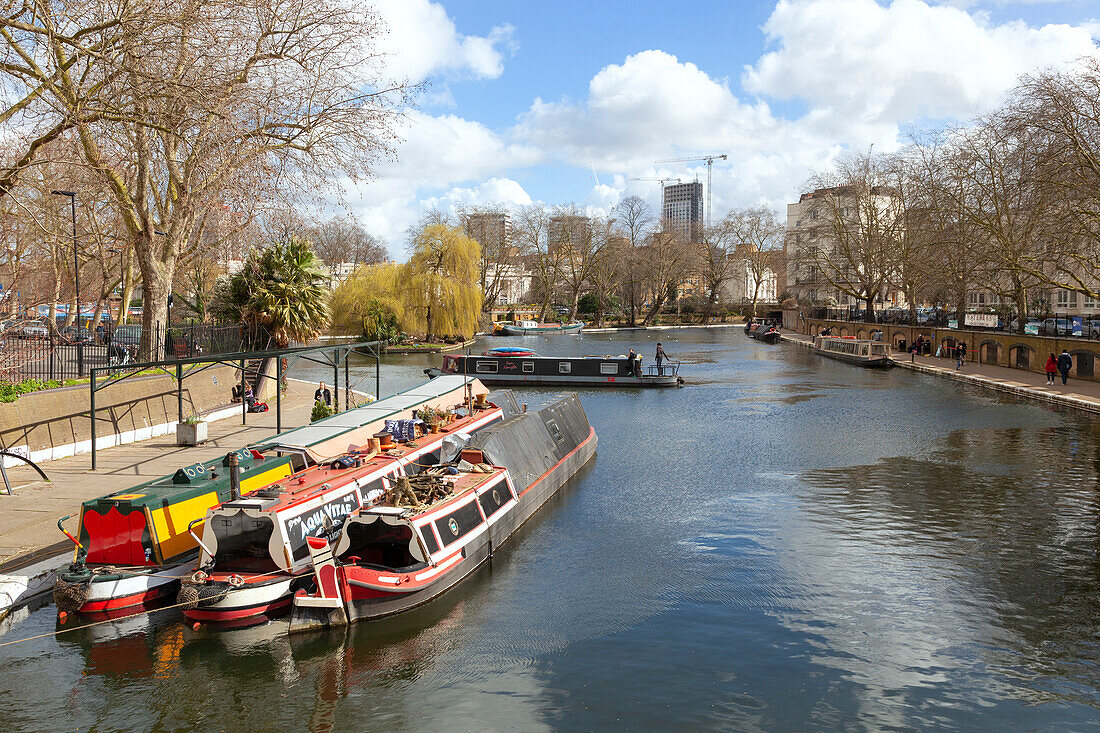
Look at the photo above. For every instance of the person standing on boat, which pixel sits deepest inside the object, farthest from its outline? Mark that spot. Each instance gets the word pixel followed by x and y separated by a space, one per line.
pixel 1052 369
pixel 323 395
pixel 661 356
pixel 635 363
pixel 1065 363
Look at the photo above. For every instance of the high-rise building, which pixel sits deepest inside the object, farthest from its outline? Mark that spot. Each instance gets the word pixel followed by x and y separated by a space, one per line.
pixel 492 230
pixel 683 207
pixel 568 231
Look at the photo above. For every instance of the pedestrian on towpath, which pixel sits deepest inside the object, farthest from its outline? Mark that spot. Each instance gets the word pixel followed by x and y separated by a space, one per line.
pixel 1065 363
pixel 1052 369
pixel 322 394
pixel 661 356
pixel 960 353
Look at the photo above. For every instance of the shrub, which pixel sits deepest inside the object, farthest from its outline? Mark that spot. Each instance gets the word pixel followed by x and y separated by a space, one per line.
pixel 320 411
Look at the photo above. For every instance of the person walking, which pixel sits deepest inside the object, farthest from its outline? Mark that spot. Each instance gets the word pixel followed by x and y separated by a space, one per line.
pixel 1065 363
pixel 960 355
pixel 322 394
pixel 1052 369
pixel 661 356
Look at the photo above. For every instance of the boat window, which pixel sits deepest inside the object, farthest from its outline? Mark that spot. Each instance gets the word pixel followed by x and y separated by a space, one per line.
pixel 382 545
pixel 565 367
pixel 429 539
pixel 487 367
pixel 529 367
pixel 609 367
pixel 458 523
pixel 495 498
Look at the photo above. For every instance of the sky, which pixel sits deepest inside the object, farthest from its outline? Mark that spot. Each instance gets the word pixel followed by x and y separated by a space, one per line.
pixel 537 101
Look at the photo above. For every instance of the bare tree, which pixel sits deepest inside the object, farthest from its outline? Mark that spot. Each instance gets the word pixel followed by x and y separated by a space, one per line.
pixel 491 227
pixel 635 220
pixel 608 265
pixel 758 236
pixel 667 260
pixel 855 226
pixel 345 239
pixel 532 232
pixel 212 102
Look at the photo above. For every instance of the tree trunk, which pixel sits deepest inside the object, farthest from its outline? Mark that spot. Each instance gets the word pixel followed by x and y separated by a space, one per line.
pixel 1021 308
pixel 156 278
pixel 869 314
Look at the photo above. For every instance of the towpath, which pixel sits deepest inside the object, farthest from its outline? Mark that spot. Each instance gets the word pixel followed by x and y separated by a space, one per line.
pixel 28 518
pixel 1079 394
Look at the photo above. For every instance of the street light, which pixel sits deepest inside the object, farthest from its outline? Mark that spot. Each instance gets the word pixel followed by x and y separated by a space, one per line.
pixel 76 263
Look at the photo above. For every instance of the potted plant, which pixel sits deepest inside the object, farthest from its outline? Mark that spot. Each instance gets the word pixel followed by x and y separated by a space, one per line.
pixel 192 431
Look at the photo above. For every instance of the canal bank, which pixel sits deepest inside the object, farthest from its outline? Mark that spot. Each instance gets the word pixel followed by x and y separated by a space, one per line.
pixel 1077 394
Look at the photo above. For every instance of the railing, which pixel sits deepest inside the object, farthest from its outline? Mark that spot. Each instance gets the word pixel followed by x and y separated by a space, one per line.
pixel 666 369
pixel 33 353
pixel 1084 327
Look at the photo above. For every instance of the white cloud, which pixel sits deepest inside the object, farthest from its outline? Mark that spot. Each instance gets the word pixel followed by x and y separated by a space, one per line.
pixel 862 62
pixel 503 191
pixel 423 42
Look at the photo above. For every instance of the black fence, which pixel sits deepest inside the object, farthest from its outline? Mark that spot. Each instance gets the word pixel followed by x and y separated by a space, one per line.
pixel 31 351
pixel 1084 327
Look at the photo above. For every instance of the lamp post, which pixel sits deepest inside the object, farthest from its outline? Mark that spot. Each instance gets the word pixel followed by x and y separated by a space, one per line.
pixel 76 263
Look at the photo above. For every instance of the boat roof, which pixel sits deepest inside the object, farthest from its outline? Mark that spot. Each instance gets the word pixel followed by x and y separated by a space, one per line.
pixel 189 482
pixel 345 422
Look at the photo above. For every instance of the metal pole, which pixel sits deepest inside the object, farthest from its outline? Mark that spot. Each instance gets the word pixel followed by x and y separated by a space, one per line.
pixel 377 372
pixel 76 263
pixel 347 381
pixel 91 414
pixel 335 380
pixel 244 404
pixel 279 395
pixel 179 390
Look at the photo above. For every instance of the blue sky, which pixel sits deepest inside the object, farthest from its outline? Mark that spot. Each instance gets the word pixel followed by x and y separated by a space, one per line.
pixel 520 97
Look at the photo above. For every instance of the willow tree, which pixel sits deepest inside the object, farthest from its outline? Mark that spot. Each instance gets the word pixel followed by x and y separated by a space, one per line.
pixel 440 293
pixel 368 303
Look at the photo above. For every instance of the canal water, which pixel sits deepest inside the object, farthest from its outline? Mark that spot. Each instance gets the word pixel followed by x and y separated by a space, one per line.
pixel 785 543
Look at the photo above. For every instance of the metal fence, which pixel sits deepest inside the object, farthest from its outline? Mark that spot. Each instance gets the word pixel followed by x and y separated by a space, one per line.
pixel 34 353
pixel 1084 327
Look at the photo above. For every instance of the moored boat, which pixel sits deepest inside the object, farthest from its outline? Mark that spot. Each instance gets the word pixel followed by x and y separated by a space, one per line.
pixel 763 331
pixel 425 538
pixel 531 328
pixel 132 544
pixel 861 352
pixel 574 371
pixel 254 551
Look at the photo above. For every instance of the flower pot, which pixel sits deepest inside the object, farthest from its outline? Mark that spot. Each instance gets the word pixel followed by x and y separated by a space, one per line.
pixel 435 427
pixel 192 434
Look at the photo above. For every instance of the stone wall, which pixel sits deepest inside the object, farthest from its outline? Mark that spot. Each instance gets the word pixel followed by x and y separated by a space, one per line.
pixel 59 417
pixel 985 347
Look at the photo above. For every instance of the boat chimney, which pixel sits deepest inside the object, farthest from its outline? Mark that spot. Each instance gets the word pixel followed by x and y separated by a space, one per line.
pixel 234 476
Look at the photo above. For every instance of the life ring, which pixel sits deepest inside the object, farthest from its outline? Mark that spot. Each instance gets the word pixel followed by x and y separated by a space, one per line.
pixel 199 577
pixel 235 581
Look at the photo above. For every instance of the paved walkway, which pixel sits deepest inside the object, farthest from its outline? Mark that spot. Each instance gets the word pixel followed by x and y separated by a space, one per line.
pixel 28 519
pixel 1078 393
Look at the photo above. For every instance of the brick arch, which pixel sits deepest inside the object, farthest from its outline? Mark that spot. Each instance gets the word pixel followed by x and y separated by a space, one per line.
pixel 1084 362
pixel 1020 356
pixel 861 334
pixel 843 330
pixel 898 336
pixel 989 351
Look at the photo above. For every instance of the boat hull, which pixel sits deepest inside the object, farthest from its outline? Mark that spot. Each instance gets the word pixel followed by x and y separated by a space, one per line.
pixel 512 330
pixel 253 600
pixel 534 380
pixel 875 362
pixel 114 592
pixel 366 602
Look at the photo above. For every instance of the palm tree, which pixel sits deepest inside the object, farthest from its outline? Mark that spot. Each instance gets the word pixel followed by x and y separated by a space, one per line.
pixel 282 288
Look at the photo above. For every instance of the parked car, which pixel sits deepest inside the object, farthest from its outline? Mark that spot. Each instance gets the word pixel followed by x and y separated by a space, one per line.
pixel 76 334
pixel 128 335
pixel 33 331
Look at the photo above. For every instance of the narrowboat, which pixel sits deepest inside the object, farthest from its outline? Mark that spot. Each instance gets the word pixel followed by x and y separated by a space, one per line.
pixel 861 352
pixel 763 331
pixel 133 547
pixel 253 548
pixel 574 371
pixel 533 328
pixel 427 536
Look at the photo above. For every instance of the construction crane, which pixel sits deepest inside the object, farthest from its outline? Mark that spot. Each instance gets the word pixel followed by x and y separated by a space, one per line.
pixel 710 161
pixel 662 181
